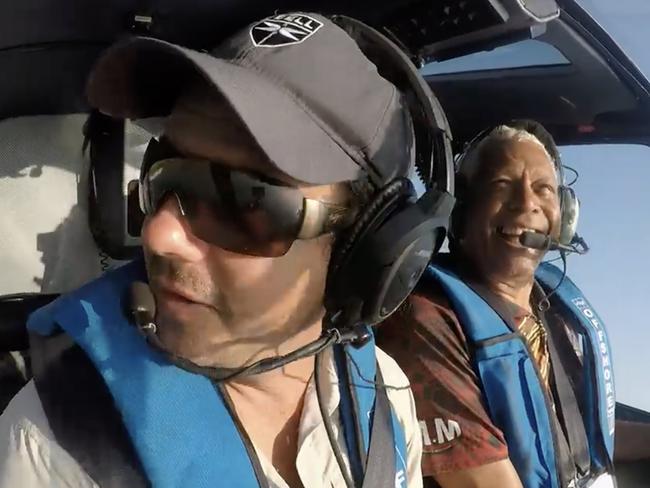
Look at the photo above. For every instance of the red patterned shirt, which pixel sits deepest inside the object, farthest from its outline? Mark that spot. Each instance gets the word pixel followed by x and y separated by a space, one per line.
pixel 428 343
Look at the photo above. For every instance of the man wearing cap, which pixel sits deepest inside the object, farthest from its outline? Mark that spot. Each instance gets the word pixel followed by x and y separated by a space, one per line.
pixel 272 144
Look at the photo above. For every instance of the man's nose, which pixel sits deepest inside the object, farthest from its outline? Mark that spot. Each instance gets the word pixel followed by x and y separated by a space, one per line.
pixel 167 233
pixel 523 197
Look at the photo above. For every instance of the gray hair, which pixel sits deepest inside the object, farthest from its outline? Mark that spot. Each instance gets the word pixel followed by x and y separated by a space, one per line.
pixel 469 163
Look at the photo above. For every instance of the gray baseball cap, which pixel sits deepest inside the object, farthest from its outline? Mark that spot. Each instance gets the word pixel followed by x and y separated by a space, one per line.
pixel 312 100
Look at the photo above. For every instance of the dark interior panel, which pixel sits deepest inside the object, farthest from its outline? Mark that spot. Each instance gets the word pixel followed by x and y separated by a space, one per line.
pixel 591 99
pixel 57 41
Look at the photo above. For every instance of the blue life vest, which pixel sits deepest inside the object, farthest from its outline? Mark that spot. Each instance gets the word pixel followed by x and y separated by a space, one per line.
pixel 516 399
pixel 178 421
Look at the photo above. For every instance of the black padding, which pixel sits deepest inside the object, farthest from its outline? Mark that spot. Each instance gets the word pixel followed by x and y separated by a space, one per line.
pixel 14 341
pixel 385 257
pixel 107 205
pixel 344 293
pixel 387 264
pixel 378 208
pixel 14 311
pixel 12 378
pixel 82 414
pixel 376 265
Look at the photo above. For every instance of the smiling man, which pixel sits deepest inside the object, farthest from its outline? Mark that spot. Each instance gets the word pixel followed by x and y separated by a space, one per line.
pixel 510 365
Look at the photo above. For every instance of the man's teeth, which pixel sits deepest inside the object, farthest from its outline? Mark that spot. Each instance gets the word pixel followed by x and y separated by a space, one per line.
pixel 514 231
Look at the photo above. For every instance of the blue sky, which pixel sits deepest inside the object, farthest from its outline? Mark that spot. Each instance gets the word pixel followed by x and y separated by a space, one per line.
pixel 615 274
pixel 613 189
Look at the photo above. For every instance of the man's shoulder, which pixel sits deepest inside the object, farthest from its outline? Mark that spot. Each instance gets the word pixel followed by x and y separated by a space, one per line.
pixel 398 388
pixel 30 457
pixel 430 305
pixel 23 430
pixel 24 426
pixel 25 411
pixel 390 370
pixel 426 312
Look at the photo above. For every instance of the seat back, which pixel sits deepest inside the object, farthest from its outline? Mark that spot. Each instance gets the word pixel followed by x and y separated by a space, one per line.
pixel 46 185
pixel 46 244
pixel 15 310
pixel 15 369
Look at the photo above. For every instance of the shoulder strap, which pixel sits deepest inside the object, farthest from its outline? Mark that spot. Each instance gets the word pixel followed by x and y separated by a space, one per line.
pixel 381 454
pixel 374 438
pixel 513 391
pixel 82 415
pixel 480 322
pixel 572 423
pixel 160 405
pixel 598 364
pixel 350 420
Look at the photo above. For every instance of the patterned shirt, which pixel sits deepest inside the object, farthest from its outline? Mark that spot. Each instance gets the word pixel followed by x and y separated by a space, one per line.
pixel 532 328
pixel 428 342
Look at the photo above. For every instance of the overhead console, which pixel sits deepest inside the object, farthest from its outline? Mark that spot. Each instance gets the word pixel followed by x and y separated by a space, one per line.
pixel 449 28
pixel 47 47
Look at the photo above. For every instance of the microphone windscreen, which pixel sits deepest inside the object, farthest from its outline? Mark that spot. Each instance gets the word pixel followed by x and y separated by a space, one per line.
pixel 534 240
pixel 142 301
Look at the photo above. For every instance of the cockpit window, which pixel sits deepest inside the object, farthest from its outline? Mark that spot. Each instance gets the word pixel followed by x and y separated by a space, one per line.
pixel 613 275
pixel 523 54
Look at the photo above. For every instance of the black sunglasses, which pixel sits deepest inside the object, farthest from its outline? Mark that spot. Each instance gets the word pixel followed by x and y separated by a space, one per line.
pixel 237 211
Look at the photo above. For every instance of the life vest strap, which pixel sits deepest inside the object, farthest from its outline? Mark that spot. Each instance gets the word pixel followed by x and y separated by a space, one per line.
pixel 81 413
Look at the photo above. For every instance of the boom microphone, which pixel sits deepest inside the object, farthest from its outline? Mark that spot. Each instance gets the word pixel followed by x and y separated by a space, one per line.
pixel 142 308
pixel 543 242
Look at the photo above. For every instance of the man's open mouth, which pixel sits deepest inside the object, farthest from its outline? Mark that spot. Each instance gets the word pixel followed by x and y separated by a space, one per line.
pixel 513 233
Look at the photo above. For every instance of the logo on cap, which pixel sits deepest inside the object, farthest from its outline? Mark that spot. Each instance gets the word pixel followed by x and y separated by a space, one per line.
pixel 284 30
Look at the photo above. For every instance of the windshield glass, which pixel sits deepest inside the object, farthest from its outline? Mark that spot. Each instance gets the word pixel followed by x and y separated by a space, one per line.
pixel 612 188
pixel 627 23
pixel 518 55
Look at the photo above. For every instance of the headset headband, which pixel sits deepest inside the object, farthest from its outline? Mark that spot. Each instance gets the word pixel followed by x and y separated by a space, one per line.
pixel 434 156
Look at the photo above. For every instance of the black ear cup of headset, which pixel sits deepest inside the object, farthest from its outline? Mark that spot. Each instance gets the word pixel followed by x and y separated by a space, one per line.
pixel 385 253
pixel 378 262
pixel 114 229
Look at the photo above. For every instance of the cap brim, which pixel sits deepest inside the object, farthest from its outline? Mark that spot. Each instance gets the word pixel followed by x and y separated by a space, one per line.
pixel 143 77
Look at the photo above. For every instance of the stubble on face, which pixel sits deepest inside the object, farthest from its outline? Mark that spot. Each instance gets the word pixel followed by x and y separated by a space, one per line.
pixel 240 307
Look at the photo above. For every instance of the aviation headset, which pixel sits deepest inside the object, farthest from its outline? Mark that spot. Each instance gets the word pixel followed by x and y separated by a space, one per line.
pixel 377 262
pixel 569 203
pixel 113 215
